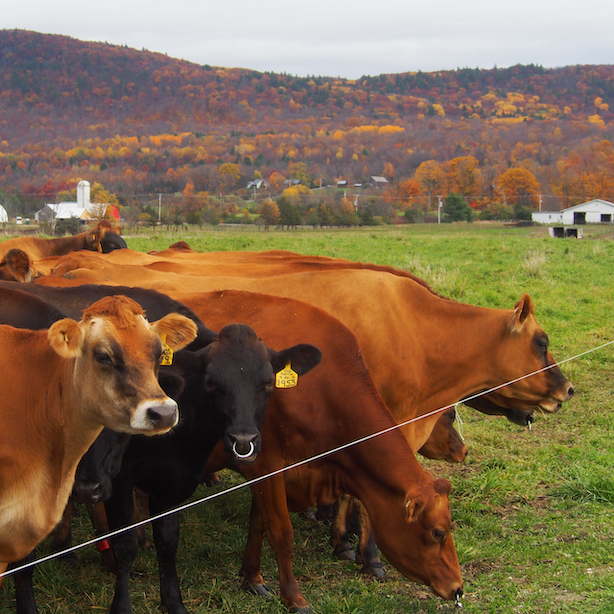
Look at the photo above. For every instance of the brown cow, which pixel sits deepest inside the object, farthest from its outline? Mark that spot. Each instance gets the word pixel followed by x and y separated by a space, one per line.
pixel 424 351
pixel 17 266
pixel 65 384
pixel 336 404
pixel 102 238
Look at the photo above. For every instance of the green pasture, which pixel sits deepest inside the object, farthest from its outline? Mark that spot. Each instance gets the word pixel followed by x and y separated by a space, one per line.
pixel 533 510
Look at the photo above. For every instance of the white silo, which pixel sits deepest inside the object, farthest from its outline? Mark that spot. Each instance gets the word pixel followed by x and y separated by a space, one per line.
pixel 83 193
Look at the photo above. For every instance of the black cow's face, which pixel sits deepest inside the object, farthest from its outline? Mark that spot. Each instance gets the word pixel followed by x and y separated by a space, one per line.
pixel 100 464
pixel 240 378
pixel 111 241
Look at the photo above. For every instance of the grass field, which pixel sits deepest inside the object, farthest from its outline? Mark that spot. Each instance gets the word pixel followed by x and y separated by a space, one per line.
pixel 533 510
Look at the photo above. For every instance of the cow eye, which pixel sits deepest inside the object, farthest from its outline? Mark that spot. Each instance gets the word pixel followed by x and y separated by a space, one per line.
pixel 103 358
pixel 542 343
pixel 439 535
pixel 210 385
pixel 268 386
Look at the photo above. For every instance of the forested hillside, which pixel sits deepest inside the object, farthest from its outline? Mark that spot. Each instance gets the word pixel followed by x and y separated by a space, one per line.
pixel 141 123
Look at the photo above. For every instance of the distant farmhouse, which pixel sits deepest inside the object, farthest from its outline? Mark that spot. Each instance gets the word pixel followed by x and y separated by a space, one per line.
pixel 83 210
pixel 595 211
pixel 378 181
pixel 4 218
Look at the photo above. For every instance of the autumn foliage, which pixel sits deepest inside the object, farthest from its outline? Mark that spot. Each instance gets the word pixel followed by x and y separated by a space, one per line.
pixel 143 124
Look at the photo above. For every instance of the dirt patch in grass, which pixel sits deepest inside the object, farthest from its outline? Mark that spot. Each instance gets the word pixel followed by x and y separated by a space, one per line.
pixel 479 567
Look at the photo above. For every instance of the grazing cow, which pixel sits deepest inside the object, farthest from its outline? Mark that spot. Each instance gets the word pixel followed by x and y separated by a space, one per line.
pixel 226 385
pixel 90 374
pixel 16 266
pixel 409 509
pixel 102 238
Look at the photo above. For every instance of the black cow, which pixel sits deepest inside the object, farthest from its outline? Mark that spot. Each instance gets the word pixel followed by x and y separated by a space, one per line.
pixel 225 387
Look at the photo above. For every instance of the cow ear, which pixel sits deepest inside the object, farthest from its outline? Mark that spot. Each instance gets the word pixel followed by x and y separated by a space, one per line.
pixel 522 310
pixel 171 382
pixel 414 504
pixel 65 337
pixel 179 330
pixel 190 363
pixel 303 357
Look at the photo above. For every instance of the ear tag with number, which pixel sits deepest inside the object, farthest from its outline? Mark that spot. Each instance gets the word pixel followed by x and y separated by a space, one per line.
pixel 167 352
pixel 286 378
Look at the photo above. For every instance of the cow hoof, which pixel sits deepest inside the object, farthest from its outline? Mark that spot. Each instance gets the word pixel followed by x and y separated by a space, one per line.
pixel 345 553
pixel 377 570
pixel 260 590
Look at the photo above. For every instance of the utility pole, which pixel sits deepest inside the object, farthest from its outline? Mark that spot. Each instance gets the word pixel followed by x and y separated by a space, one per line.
pixel 159 207
pixel 439 206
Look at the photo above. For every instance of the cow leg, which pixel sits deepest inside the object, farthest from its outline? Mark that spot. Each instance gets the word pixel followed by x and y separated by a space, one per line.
pixel 250 568
pixel 270 497
pixel 120 513
pixel 166 539
pixel 141 511
pixel 25 603
pixel 368 554
pixel 339 534
pixel 62 534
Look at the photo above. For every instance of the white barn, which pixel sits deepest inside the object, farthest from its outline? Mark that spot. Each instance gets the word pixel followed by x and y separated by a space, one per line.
pixel 596 211
pixel 4 218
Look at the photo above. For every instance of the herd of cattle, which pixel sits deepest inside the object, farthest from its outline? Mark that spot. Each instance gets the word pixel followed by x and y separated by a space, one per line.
pixel 310 353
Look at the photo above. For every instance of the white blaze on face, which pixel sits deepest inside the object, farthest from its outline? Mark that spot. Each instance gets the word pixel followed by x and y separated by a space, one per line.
pixel 158 415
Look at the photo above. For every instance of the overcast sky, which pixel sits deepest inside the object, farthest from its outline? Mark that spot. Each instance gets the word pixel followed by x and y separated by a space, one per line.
pixel 335 38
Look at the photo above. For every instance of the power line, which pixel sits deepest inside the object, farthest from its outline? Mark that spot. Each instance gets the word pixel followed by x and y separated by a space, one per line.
pixel 261 478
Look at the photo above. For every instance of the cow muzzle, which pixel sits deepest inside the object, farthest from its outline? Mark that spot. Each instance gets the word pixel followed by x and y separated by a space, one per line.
pixel 242 448
pixel 155 417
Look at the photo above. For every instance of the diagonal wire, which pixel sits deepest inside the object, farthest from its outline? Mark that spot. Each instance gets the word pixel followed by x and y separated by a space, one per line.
pixel 261 478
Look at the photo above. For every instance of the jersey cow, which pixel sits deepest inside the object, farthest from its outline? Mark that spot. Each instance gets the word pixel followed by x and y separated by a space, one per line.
pixel 102 238
pixel 337 404
pixel 98 372
pixel 96 468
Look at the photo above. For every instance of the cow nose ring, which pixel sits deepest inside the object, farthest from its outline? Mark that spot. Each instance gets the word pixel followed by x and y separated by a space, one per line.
pixel 252 448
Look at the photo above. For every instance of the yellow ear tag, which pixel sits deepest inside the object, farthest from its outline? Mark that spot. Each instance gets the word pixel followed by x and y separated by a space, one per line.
pixel 100 248
pixel 286 378
pixel 167 353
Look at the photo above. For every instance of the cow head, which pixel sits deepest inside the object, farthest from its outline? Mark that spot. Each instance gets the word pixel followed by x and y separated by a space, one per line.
pixel 17 266
pixel 116 355
pixel 238 374
pixel 104 238
pixel 100 464
pixel 444 442
pixel 525 350
pixel 417 540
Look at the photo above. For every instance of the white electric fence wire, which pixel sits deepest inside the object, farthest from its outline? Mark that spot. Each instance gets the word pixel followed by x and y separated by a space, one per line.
pixel 289 467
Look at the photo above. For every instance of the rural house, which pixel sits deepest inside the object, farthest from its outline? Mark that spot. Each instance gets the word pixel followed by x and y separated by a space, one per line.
pixel 83 209
pixel 594 211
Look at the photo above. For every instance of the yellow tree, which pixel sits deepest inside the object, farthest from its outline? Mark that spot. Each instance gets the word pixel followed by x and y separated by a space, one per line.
pixel 100 198
pixel 464 176
pixel 298 170
pixel 269 213
pixel 228 174
pixel 519 186
pixel 276 181
pixel 431 178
